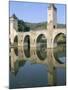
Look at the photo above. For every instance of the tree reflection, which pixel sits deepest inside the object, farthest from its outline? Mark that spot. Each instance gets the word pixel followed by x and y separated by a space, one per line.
pixel 60 50
pixel 41 47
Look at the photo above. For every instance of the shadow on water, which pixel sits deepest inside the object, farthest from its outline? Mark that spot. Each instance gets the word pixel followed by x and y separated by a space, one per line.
pixel 18 64
pixel 28 74
pixel 60 54
pixel 41 47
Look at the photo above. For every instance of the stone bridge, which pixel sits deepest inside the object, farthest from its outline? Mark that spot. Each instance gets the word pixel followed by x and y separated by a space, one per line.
pixel 33 35
pixel 31 38
pixel 50 34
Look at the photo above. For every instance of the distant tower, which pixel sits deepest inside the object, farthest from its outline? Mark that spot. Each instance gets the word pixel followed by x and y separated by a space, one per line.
pixel 52 17
pixel 14 22
pixel 13 27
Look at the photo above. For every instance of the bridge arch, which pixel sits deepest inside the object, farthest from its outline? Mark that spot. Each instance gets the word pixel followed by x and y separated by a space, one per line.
pixel 16 45
pixel 59 37
pixel 27 46
pixel 60 43
pixel 41 45
pixel 57 32
pixel 16 38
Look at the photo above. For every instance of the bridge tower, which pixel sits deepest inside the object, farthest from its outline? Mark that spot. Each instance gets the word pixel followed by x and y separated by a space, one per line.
pixel 52 24
pixel 13 28
pixel 52 16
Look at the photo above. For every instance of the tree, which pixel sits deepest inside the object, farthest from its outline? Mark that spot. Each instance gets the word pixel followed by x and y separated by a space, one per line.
pixel 22 26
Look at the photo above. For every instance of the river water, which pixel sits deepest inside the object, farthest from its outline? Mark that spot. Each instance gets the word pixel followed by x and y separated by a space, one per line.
pixel 33 72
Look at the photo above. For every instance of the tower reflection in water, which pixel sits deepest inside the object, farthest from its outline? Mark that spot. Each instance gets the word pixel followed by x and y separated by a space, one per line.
pixel 39 69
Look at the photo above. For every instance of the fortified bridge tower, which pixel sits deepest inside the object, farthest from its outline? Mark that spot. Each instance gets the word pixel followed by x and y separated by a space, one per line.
pixel 52 23
pixel 52 30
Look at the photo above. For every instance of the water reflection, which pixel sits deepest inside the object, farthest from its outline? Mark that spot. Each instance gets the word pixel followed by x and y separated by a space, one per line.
pixel 27 46
pixel 41 47
pixel 33 71
pixel 60 54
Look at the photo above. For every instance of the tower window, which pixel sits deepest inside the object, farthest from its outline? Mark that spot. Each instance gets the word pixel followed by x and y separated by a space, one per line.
pixel 54 26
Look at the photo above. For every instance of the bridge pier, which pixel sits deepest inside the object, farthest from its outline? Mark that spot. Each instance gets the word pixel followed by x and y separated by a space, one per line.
pixel 12 60
pixel 20 53
pixel 51 68
pixel 49 42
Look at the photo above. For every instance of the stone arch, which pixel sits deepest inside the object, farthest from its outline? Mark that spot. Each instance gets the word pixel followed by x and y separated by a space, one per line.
pixel 56 36
pixel 27 46
pixel 41 45
pixel 16 45
pixel 60 50
pixel 16 38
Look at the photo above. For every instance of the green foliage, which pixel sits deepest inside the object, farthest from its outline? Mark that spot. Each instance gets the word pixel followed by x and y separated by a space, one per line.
pixel 42 25
pixel 26 26
pixel 22 26
pixel 37 26
pixel 26 29
pixel 61 38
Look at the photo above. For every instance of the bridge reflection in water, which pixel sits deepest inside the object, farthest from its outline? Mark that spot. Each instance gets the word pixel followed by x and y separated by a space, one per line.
pixel 40 69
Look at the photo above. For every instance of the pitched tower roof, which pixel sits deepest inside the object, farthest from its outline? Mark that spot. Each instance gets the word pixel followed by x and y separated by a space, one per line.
pixel 52 6
pixel 14 16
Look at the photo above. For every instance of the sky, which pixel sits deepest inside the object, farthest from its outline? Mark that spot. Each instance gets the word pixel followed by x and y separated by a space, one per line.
pixel 35 12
